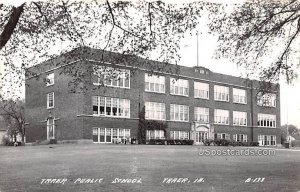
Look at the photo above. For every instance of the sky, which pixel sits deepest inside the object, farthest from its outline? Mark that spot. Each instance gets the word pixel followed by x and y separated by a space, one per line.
pixel 290 94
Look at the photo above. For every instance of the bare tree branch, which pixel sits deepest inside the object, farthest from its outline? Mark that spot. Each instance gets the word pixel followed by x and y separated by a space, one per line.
pixel 72 22
pixel 11 25
pixel 40 11
pixel 117 25
pixel 150 18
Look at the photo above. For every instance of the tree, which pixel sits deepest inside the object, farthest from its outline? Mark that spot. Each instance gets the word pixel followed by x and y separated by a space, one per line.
pixel 29 31
pixel 13 113
pixel 142 127
pixel 263 36
pixel 292 130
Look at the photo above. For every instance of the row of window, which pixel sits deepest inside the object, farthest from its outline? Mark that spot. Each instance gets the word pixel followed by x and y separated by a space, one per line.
pixel 106 135
pixel 112 77
pixel 116 107
pixel 112 107
pixel 267 140
pixel 157 111
pixel 264 140
pixel 156 83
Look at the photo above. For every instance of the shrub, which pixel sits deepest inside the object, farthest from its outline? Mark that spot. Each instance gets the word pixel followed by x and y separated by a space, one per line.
pixel 208 142
pixel 217 142
pixel 296 143
pixel 190 142
pixel 7 142
pixel 254 143
pixel 53 141
pixel 156 142
pixel 170 142
pixel 233 143
pixel 224 142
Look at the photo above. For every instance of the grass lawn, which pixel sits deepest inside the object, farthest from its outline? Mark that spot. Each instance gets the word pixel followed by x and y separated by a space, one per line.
pixel 23 168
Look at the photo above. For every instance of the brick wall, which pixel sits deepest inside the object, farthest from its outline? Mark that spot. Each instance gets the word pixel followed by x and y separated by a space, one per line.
pixel 74 110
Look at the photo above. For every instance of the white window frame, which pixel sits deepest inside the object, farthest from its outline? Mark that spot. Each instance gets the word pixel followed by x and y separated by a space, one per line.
pixel 155 111
pixel 267 140
pixel 121 110
pixel 267 100
pixel 104 72
pixel 240 137
pixel 50 79
pixel 179 85
pixel 239 118
pixel 50 126
pixel 201 90
pixel 158 83
pixel 155 134
pixel 201 113
pixel 48 100
pixel 182 135
pixel 221 93
pixel 239 96
pixel 265 120
pixel 121 134
pixel 223 136
pixel 181 111
pixel 221 116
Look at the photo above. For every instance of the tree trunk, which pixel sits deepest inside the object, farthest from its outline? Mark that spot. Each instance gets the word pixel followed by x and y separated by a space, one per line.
pixel 11 25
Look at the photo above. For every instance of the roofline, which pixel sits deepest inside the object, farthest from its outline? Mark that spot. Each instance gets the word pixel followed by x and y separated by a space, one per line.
pixel 143 69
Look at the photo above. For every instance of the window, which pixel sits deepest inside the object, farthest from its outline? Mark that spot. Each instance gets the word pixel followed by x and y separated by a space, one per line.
pixel 201 90
pixel 266 120
pixel 267 140
pixel 50 100
pixel 155 111
pixel 221 116
pixel 107 135
pixel 179 87
pixel 266 100
pixel 201 114
pixel 155 134
pixel 179 112
pixel 221 93
pixel 179 135
pixel 239 96
pixel 111 107
pixel 112 77
pixel 50 79
pixel 222 136
pixel 154 83
pixel 50 129
pixel 239 118
pixel 240 137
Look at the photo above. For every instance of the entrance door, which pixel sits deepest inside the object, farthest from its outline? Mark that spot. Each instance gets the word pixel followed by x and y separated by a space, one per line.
pixel 201 137
pixel 50 129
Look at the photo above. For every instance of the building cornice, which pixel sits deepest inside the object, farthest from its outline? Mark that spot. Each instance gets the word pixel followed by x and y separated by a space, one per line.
pixel 151 71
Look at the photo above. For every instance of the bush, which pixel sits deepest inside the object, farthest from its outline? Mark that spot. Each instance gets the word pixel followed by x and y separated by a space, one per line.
pixel 7 142
pixel 221 142
pixel 254 143
pixel 156 142
pixel 53 141
pixel 296 143
pixel 170 142
pixel 208 142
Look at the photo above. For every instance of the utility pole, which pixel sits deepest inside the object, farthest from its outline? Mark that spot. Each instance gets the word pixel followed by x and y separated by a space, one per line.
pixel 197 49
pixel 287 123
